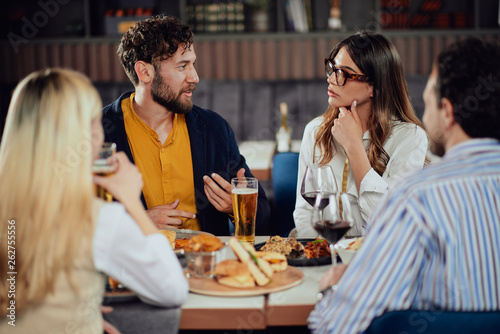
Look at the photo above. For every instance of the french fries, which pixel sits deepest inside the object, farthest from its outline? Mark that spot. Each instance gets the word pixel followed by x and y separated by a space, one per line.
pixel 204 243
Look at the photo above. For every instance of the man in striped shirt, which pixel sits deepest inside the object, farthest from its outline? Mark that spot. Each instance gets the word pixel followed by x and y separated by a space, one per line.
pixel 433 243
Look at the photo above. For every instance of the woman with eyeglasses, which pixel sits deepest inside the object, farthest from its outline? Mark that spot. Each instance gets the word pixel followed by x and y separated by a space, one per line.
pixel 369 135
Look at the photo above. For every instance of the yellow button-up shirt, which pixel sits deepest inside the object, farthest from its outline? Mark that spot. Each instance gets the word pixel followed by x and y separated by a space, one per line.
pixel 167 170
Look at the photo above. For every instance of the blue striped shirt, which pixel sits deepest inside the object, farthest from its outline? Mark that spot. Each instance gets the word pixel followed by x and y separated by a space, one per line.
pixel 432 243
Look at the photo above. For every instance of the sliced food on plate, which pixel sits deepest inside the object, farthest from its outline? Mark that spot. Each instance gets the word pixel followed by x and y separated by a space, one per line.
pixel 276 260
pixel 292 248
pixel 289 247
pixel 260 266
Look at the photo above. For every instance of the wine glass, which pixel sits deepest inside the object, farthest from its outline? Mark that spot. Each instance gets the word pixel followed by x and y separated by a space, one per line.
pixel 334 228
pixel 318 180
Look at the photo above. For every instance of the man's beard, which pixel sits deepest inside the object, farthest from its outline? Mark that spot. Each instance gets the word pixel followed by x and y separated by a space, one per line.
pixel 163 95
pixel 437 146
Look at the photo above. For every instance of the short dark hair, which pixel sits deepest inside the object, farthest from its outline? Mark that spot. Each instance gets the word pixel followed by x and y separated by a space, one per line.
pixel 469 76
pixel 156 38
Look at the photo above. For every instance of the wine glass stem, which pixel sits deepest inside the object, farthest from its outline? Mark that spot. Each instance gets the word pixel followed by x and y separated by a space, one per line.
pixel 333 254
pixel 320 215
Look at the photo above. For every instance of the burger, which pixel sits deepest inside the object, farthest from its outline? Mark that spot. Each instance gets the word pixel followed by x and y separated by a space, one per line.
pixel 234 273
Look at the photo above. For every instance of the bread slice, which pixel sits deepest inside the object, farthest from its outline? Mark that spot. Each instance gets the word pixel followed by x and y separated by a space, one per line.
pixel 252 261
pixel 277 261
pixel 238 249
pixel 234 273
pixel 171 235
pixel 262 264
pixel 260 278
pixel 237 281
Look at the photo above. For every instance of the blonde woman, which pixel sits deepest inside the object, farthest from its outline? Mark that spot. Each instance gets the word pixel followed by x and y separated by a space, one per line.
pixel 370 121
pixel 66 238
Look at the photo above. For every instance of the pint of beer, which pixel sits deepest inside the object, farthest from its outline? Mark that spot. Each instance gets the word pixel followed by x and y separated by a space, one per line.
pixel 104 166
pixel 244 193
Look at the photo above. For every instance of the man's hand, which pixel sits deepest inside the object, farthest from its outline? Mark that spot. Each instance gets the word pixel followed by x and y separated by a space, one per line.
pixel 220 197
pixel 332 276
pixel 167 216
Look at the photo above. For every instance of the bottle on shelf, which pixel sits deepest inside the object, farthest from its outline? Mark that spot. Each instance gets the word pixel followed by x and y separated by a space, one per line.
pixel 284 134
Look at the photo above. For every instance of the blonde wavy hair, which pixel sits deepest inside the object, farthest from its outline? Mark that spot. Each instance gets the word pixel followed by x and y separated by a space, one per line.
pixel 45 180
pixel 377 58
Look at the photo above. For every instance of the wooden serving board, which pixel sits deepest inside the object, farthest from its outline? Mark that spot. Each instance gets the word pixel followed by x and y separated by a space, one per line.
pixel 281 281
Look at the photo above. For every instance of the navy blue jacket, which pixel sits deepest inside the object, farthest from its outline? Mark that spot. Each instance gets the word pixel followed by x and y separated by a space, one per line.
pixel 213 150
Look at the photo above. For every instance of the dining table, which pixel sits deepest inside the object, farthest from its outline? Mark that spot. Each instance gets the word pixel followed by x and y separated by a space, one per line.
pixel 285 308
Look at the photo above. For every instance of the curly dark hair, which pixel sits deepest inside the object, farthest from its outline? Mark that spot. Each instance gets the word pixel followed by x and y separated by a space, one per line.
pixel 469 76
pixel 152 40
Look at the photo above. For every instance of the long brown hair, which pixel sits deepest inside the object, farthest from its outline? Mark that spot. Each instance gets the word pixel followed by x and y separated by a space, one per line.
pixel 377 58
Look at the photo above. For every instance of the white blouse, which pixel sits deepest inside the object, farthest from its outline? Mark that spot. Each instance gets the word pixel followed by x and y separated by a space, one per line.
pixel 145 264
pixel 407 149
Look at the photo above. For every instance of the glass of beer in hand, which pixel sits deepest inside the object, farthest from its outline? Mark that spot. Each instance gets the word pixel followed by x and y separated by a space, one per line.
pixel 105 165
pixel 244 192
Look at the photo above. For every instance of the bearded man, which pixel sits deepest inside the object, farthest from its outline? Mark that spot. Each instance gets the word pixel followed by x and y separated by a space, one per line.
pixel 187 155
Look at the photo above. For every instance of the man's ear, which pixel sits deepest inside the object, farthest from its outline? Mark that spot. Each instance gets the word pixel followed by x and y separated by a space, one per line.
pixel 144 71
pixel 448 112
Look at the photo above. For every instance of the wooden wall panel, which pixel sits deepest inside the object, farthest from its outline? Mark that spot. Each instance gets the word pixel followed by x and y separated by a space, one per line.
pixel 220 56
pixel 272 58
pixel 257 60
pixel 296 63
pixel 399 43
pixel 246 60
pixel 80 55
pixel 93 60
pixel 310 60
pixel 284 59
pixel 263 57
pixel 322 51
pixel 204 59
pixel 54 53
pixel 105 62
pixel 119 72
pixel 437 47
pixel 233 60
pixel 425 54
pixel 28 56
pixel 412 56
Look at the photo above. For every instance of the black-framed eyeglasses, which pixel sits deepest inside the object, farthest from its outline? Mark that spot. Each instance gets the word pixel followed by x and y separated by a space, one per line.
pixel 341 76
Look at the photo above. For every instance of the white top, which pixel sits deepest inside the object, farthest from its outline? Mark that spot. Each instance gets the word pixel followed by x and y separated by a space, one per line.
pixel 406 147
pixel 145 264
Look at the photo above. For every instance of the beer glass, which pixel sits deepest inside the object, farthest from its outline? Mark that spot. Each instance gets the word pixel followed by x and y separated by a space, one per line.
pixel 104 165
pixel 244 191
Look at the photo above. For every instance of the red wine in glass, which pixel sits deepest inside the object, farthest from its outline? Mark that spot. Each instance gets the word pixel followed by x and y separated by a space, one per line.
pixel 310 198
pixel 332 231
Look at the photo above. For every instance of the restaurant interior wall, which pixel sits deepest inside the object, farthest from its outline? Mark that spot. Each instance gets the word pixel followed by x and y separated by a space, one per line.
pixel 244 76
